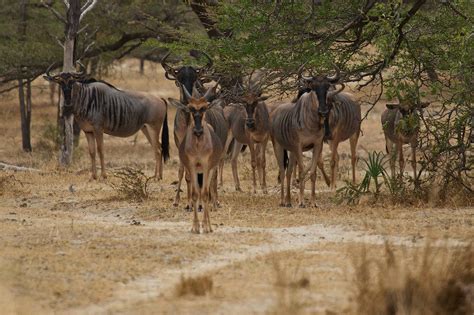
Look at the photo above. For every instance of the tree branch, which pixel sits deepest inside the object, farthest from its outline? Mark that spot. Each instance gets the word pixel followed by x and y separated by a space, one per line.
pixel 90 4
pixel 56 13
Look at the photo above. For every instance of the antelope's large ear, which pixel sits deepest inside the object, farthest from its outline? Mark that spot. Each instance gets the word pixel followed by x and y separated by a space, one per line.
pixel 47 78
pixel 392 106
pixel 424 104
pixel 178 104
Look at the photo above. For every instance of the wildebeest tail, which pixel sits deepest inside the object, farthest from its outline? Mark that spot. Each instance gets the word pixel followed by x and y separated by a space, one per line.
pixel 165 138
pixel 285 159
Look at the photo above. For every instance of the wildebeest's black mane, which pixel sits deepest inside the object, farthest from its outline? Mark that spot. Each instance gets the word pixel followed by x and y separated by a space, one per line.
pixel 93 80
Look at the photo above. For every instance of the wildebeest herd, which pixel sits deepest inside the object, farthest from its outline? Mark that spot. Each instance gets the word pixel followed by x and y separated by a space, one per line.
pixel 208 127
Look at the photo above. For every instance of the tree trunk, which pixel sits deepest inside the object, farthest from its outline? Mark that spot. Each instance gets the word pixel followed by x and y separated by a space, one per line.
pixel 67 117
pixel 25 114
pixel 25 104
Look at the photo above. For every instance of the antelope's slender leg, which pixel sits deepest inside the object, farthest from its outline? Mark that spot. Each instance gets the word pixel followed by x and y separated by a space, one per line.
pixel 401 159
pixel 353 142
pixel 302 173
pixel 235 154
pixel 263 165
pixel 91 144
pixel 253 162
pixel 321 168
pixel 195 194
pixel 221 166
pixel 413 160
pixel 334 163
pixel 289 172
pixel 313 190
pixel 281 167
pixel 152 136
pixel 206 222
pixel 392 155
pixel 189 189
pixel 213 190
pixel 99 137
pixel 180 179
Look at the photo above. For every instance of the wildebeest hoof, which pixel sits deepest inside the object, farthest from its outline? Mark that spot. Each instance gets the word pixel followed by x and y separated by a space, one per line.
pixel 195 230
pixel 302 205
pixel 187 208
pixel 206 229
pixel 200 208
pixel 288 205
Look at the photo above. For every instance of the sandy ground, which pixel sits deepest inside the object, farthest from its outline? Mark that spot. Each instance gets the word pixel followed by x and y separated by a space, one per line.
pixel 71 246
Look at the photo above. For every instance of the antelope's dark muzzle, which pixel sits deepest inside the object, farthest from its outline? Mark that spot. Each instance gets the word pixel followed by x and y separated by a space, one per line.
pixel 250 123
pixel 198 132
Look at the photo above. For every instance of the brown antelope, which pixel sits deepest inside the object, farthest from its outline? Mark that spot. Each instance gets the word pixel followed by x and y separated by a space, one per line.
pixel 250 125
pixel 187 78
pixel 397 135
pixel 200 152
pixel 298 127
pixel 100 108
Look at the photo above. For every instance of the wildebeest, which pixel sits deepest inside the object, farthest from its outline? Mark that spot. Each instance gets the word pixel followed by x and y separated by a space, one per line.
pixel 200 152
pixel 400 124
pixel 344 123
pixel 100 108
pixel 187 78
pixel 249 123
pixel 298 127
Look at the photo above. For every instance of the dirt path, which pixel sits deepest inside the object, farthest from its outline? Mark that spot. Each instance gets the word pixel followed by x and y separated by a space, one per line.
pixel 162 281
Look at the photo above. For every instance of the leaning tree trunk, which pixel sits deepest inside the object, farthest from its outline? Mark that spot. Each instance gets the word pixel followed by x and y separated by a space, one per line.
pixel 66 115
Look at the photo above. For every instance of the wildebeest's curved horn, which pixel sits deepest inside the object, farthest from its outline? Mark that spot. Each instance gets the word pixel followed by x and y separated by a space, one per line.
pixel 49 69
pixel 300 73
pixel 169 70
pixel 196 53
pixel 335 77
pixel 334 93
pixel 82 69
pixel 210 92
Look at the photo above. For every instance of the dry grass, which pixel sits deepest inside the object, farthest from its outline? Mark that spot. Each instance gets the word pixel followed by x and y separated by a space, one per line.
pixel 289 280
pixel 199 285
pixel 432 281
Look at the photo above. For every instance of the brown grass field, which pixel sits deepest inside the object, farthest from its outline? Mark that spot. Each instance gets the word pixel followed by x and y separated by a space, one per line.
pixel 72 246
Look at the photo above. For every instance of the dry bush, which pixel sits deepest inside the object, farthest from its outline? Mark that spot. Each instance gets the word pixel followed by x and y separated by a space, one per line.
pixel 199 285
pixel 433 281
pixel 133 184
pixel 288 282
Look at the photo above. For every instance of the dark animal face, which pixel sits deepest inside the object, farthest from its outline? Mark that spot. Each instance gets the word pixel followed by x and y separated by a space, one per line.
pixel 66 81
pixel 251 101
pixel 320 85
pixel 197 108
pixel 186 76
pixel 407 110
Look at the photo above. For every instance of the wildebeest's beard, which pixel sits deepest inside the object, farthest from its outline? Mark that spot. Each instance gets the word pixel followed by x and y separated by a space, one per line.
pixel 197 117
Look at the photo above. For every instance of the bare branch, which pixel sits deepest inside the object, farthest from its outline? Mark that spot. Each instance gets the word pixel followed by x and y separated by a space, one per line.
pixel 83 29
pixel 56 13
pixel 59 42
pixel 90 4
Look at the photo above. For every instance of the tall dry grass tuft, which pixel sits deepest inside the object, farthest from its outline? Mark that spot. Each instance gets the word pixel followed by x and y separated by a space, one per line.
pixel 433 281
pixel 289 280
pixel 8 183
pixel 199 285
pixel 133 184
